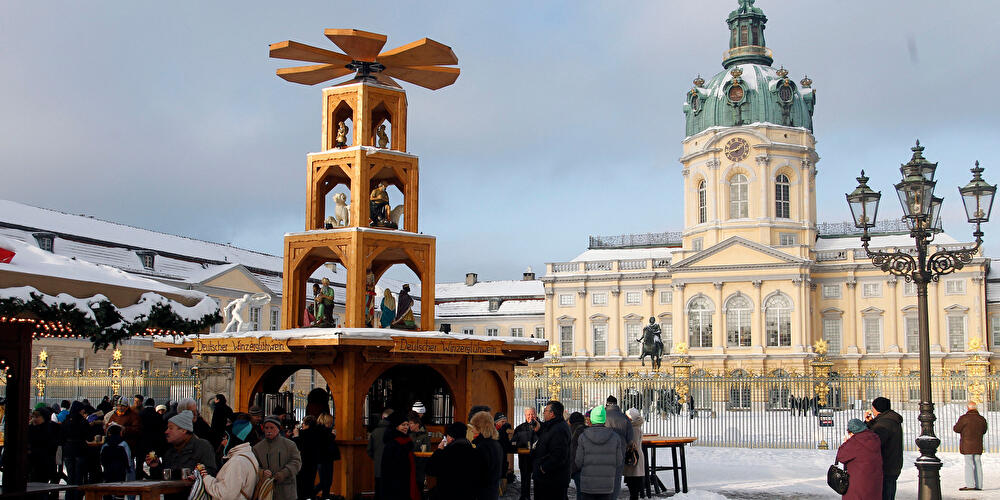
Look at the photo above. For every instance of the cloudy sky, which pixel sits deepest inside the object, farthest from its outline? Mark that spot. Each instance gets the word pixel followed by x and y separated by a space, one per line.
pixel 565 122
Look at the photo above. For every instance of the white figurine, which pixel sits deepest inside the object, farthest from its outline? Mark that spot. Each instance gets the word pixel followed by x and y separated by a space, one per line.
pixel 341 212
pixel 234 309
pixel 395 215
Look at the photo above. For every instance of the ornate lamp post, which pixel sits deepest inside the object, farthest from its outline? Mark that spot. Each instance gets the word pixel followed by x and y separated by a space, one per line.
pixel 921 211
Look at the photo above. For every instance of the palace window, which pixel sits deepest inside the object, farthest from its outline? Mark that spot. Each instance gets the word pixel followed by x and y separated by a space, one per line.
pixel 778 321
pixel 492 332
pixel 954 287
pixel 539 332
pixel 147 258
pixel 782 201
pixel 275 318
pixel 633 298
pixel 254 319
pixel 831 291
pixel 956 333
pixel 175 367
pixel 869 290
pixel 832 335
pixel 909 289
pixel 786 239
pixel 144 365
pixel 873 334
pixel 739 197
pixel 566 340
pixel 516 332
pixel 601 339
pixel 633 330
pixel 700 322
pixel 739 392
pixel 468 331
pixel 697 244
pixel 566 299
pixel 738 321
pixel 912 330
pixel 46 241
pixel 666 296
pixel 599 299
pixel 79 364
pixel 667 334
pixel 702 203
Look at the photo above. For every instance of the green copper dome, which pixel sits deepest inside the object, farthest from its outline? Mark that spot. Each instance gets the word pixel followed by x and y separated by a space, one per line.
pixel 748 90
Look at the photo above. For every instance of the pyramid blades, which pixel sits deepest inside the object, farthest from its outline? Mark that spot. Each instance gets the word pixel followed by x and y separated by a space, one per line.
pixel 311 75
pixel 430 77
pixel 423 52
pixel 302 52
pixel 360 45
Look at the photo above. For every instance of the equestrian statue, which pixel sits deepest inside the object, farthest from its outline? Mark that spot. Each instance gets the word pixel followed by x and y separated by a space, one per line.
pixel 652 344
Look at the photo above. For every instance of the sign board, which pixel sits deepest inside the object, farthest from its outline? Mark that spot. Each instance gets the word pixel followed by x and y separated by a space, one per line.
pixel 239 346
pixel 825 417
pixel 447 346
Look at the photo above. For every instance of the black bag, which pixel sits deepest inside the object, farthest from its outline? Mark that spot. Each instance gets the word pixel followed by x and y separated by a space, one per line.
pixel 838 479
pixel 631 455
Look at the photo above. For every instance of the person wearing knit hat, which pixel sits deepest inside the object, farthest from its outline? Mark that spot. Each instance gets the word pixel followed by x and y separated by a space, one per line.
pixel 399 475
pixel 862 459
pixel 455 465
pixel 577 424
pixel 600 456
pixel 184 449
pixel 419 408
pixel 888 426
pixel 279 459
pixel 504 432
pixel 161 409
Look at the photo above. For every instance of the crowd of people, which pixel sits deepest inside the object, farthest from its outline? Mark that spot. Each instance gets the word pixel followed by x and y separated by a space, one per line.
pixel 233 456
pixel 475 460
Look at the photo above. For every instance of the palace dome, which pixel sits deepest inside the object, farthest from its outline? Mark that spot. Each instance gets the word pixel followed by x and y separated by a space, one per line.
pixel 749 90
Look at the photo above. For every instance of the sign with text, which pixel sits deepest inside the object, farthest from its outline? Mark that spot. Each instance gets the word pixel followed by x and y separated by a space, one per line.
pixel 239 346
pixel 446 346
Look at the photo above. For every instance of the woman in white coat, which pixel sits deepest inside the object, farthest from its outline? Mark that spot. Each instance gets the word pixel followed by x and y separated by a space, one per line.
pixel 237 478
pixel 634 474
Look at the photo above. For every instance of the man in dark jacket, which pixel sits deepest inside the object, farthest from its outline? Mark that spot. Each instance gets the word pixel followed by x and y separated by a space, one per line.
pixel 524 437
pixel 221 413
pixel 152 438
pixel 600 456
pixel 888 425
pixel 972 427
pixel 456 466
pixel 618 422
pixel 376 445
pixel 504 431
pixel 550 457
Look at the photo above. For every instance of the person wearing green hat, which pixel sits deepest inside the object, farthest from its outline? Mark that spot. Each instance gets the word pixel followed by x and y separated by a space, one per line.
pixel 600 455
pixel 861 455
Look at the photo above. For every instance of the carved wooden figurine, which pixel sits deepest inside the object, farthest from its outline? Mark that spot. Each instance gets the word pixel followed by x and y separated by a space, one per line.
pixel 383 138
pixel 341 135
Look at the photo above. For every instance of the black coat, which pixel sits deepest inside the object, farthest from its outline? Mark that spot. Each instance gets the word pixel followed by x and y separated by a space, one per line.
pixel 492 457
pixel 575 432
pixel 458 470
pixel 550 458
pixel 524 435
pixel 398 466
pixel 888 425
pixel 221 413
pixel 152 437
pixel 42 443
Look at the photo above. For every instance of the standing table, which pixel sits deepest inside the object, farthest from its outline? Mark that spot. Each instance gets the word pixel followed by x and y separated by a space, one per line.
pixel 145 490
pixel 649 446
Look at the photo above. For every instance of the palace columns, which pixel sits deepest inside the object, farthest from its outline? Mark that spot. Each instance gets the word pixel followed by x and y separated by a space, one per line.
pixel 938 332
pixel 678 318
pixel 853 318
pixel 719 323
pixel 896 338
pixel 757 330
pixel 580 335
pixel 615 326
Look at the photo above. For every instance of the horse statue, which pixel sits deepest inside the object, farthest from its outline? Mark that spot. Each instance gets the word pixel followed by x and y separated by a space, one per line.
pixel 652 344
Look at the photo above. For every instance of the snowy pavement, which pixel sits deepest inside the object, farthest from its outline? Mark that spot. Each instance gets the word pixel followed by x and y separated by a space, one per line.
pixel 790 474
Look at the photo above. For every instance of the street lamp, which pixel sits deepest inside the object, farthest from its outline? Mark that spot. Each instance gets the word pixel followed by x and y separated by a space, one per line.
pixel 922 213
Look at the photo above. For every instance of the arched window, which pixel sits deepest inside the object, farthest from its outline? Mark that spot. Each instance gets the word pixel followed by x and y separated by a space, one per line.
pixel 700 322
pixel 778 320
pixel 738 321
pixel 739 391
pixel 778 392
pixel 702 203
pixel 782 201
pixel 739 196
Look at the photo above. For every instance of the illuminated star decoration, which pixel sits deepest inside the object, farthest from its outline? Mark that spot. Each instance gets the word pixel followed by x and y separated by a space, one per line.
pixel 820 347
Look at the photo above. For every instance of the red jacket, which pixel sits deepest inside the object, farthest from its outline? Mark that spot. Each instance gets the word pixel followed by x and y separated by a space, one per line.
pixel 862 457
pixel 971 426
pixel 131 426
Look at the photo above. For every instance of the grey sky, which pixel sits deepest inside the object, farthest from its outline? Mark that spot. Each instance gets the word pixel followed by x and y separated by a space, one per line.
pixel 565 122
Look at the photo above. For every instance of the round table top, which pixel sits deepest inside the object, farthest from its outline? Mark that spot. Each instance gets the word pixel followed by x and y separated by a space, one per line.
pixel 667 440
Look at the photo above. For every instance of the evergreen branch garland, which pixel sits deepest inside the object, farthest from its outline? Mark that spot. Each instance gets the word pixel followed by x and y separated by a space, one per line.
pixel 109 328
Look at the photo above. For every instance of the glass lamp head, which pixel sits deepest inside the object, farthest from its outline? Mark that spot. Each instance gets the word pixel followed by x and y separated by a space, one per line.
pixel 919 164
pixel 915 194
pixel 977 196
pixel 864 203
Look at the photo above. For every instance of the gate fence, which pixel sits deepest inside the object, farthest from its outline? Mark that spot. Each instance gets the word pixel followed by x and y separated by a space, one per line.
pixel 776 410
pixel 57 385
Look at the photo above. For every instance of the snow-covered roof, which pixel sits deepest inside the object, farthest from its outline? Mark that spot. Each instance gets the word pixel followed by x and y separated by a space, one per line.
pixel 481 308
pixel 885 241
pixel 501 288
pixel 352 333
pixel 624 254
pixel 30 259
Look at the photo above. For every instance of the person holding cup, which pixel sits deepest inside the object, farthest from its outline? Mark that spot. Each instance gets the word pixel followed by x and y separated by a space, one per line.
pixel 184 450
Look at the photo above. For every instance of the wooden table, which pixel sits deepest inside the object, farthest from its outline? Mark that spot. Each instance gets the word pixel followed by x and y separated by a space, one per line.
pixel 145 490
pixel 649 446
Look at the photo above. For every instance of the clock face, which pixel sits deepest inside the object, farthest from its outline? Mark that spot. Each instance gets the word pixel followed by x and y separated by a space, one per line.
pixel 737 149
pixel 736 93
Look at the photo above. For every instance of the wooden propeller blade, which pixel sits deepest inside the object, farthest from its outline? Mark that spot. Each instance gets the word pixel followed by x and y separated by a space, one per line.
pixel 302 52
pixel 360 45
pixel 385 80
pixel 423 52
pixel 311 75
pixel 430 77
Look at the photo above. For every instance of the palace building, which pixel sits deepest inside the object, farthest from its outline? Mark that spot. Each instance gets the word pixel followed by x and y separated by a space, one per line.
pixel 753 280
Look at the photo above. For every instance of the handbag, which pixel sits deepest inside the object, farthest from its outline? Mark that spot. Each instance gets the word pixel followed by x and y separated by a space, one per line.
pixel 631 455
pixel 198 489
pixel 838 479
pixel 265 487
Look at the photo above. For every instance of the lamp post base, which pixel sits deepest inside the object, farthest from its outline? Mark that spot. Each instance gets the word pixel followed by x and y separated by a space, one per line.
pixel 928 469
